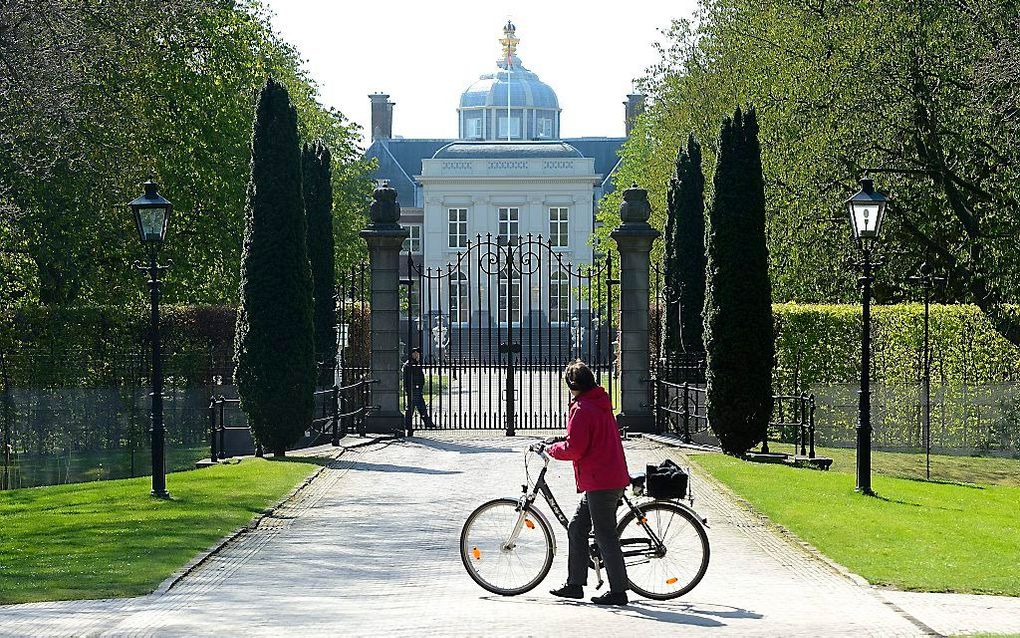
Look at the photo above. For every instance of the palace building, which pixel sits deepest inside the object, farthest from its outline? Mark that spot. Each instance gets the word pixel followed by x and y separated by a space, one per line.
pixel 509 179
pixel 509 172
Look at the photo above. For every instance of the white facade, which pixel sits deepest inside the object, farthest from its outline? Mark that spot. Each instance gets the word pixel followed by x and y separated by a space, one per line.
pixel 467 197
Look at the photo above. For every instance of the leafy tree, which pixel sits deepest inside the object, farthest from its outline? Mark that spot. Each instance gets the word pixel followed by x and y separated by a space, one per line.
pixel 97 97
pixel 925 90
pixel 274 340
pixel 739 334
pixel 318 193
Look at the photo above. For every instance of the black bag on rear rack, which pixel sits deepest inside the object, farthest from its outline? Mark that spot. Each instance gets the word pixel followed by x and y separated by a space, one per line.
pixel 667 480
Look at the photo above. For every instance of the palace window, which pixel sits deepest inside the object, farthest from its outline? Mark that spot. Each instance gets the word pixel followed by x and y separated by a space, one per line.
pixel 558 236
pixel 413 242
pixel 509 225
pixel 473 128
pixel 559 296
pixel 544 127
pixel 458 297
pixel 458 227
pixel 515 127
pixel 510 295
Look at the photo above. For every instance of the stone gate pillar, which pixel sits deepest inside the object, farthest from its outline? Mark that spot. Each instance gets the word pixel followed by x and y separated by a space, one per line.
pixel 384 237
pixel 634 237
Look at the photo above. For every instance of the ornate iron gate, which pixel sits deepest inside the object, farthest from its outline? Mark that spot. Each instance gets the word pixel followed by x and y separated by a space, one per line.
pixel 497 325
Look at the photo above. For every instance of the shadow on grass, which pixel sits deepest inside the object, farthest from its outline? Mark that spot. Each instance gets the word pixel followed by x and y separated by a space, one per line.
pixel 310 460
pixel 915 479
pixel 897 501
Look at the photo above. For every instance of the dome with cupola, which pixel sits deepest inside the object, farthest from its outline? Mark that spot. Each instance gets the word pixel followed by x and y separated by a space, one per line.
pixel 510 103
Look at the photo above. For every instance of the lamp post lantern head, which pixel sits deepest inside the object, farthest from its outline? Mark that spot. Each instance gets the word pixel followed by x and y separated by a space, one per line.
pixel 867 210
pixel 152 214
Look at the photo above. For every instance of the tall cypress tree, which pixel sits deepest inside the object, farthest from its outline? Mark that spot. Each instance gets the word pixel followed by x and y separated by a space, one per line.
pixel 317 176
pixel 274 343
pixel 690 245
pixel 684 269
pixel 671 278
pixel 739 338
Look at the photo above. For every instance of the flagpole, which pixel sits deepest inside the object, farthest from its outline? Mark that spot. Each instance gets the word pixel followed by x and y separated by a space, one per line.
pixel 509 56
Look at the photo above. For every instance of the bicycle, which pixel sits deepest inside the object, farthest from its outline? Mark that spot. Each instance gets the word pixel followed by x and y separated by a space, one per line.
pixel 507 544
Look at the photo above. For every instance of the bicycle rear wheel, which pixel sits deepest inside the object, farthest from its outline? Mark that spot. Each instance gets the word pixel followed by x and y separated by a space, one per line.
pixel 506 551
pixel 665 549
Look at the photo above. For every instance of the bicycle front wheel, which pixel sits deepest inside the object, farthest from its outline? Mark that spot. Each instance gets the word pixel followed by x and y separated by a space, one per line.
pixel 665 549
pixel 506 551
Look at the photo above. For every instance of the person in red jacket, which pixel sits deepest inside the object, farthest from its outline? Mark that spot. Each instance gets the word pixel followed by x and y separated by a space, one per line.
pixel 600 471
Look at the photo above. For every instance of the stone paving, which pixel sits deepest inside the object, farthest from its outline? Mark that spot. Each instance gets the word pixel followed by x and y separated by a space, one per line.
pixel 370 548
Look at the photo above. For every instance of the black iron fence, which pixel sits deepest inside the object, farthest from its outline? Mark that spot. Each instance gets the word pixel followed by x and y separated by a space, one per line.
pixel 680 410
pixel 339 410
pixel 793 422
pixel 75 415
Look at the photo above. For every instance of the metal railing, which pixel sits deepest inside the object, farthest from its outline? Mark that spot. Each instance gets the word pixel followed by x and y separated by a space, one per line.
pixel 218 427
pixel 339 410
pixel 680 410
pixel 793 422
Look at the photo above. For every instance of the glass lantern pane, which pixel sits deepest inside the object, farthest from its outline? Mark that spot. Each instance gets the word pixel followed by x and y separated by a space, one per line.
pixel 866 219
pixel 152 222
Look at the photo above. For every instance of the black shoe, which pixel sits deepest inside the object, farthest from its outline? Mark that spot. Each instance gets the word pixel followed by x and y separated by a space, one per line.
pixel 611 598
pixel 568 591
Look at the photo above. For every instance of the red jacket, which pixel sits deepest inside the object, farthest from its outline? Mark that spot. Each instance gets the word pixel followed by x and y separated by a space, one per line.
pixel 593 444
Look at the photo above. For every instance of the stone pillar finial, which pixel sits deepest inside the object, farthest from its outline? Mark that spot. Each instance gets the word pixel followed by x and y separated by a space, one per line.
pixel 385 211
pixel 634 238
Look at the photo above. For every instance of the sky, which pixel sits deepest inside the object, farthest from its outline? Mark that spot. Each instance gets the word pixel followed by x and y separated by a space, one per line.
pixel 425 53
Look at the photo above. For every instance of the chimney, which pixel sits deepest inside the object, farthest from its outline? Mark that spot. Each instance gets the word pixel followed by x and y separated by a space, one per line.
pixel 382 116
pixel 633 107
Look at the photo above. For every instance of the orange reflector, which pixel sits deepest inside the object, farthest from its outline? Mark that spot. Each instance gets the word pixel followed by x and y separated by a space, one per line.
pixel 529 524
pixel 671 581
pixel 476 553
pixel 644 520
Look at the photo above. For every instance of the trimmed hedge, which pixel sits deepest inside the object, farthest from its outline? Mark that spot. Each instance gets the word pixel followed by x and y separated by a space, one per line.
pixel 974 374
pixel 821 344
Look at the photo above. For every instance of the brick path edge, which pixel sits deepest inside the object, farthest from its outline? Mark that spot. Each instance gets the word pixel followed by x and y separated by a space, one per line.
pixel 202 557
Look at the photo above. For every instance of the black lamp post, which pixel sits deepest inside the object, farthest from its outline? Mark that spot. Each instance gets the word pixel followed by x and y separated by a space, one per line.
pixel 867 210
pixel 152 214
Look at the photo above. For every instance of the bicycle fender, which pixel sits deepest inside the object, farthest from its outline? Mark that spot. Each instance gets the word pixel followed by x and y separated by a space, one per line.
pixel 680 504
pixel 539 515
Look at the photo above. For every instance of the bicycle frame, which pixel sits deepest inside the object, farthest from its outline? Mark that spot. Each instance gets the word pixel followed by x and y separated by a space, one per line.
pixel 541 487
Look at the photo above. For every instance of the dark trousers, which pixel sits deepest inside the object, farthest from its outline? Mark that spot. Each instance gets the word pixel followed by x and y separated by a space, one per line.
pixel 597 509
pixel 417 402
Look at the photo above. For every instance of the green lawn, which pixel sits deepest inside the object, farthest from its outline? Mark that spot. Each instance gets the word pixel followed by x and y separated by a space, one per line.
pixel 957 469
pixel 109 538
pixel 916 535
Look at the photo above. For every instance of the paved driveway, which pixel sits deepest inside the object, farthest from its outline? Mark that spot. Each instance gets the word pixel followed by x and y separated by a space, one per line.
pixel 370 549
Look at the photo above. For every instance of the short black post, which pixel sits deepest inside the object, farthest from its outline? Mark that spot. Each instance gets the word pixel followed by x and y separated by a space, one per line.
pixel 212 428
pixel 336 415
pixel 811 426
pixel 802 424
pixel 687 412
pixel 221 428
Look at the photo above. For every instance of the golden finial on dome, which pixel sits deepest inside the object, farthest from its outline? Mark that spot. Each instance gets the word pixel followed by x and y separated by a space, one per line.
pixel 509 42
